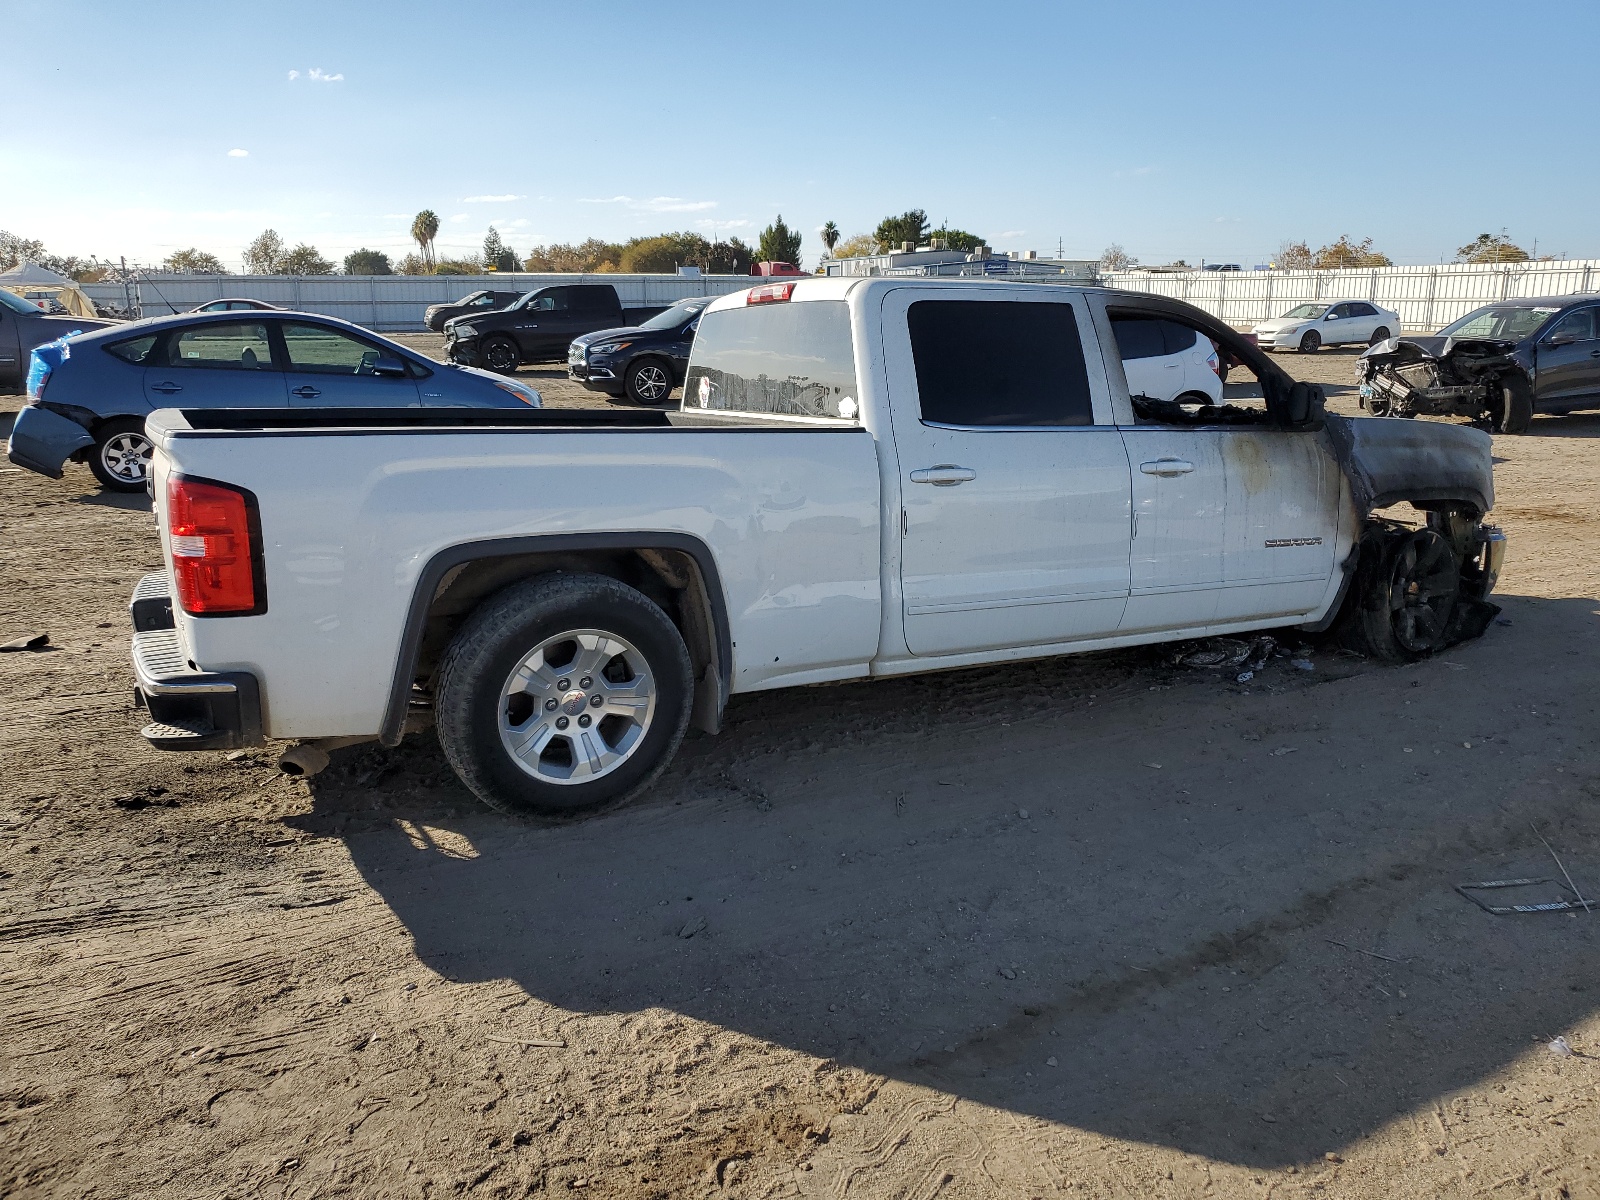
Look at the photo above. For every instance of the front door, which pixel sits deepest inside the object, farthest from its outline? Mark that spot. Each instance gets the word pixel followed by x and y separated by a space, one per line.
pixel 217 364
pixel 1568 358
pixel 544 326
pixel 1014 483
pixel 329 368
pixel 1180 490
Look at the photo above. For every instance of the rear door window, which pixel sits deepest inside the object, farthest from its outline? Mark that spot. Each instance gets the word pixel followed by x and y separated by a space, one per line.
pixel 785 359
pixel 998 363
pixel 230 346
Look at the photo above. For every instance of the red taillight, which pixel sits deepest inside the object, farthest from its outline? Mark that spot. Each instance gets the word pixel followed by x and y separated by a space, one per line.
pixel 215 541
pixel 769 293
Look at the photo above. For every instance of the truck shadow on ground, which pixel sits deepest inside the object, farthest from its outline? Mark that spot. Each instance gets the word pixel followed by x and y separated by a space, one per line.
pixel 1158 905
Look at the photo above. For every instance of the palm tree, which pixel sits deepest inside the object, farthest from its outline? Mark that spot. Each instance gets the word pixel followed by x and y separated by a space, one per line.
pixel 424 228
pixel 830 236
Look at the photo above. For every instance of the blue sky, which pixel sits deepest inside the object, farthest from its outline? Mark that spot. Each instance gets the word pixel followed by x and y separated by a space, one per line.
pixel 1176 129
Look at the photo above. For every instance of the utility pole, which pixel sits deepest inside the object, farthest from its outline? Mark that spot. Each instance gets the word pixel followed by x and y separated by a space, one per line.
pixel 127 295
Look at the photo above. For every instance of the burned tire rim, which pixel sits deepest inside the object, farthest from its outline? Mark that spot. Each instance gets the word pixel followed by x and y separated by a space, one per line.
pixel 1311 342
pixel 649 382
pixel 577 707
pixel 500 355
pixel 1424 584
pixel 126 457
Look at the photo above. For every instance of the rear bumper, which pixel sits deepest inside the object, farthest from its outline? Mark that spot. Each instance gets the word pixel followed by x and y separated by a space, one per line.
pixel 42 440
pixel 189 709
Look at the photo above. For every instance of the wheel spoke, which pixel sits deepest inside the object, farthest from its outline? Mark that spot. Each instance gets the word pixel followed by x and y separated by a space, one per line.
pixel 528 743
pixel 630 699
pixel 534 678
pixel 594 652
pixel 589 753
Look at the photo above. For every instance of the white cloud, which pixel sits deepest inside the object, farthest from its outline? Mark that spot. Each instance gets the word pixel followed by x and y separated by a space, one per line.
pixel 321 76
pixel 294 75
pixel 238 154
pixel 489 199
pixel 460 216
pixel 1008 234
pixel 519 223
pixel 657 204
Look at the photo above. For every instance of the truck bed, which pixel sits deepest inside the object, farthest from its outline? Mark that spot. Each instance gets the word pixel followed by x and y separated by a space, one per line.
pixel 357 509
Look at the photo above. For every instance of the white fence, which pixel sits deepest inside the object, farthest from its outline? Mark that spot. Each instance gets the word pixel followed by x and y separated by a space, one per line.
pixel 1426 298
pixel 392 302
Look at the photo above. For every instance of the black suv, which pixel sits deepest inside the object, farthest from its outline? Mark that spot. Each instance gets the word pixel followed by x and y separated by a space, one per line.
pixel 478 302
pixel 539 327
pixel 643 363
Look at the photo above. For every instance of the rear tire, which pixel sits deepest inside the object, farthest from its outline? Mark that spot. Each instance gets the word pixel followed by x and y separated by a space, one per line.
pixel 525 744
pixel 1406 590
pixel 1311 342
pixel 500 354
pixel 648 380
pixel 1380 334
pixel 1514 412
pixel 120 457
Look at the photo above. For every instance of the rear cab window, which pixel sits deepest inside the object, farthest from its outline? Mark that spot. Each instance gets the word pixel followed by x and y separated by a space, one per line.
pixel 998 363
pixel 783 359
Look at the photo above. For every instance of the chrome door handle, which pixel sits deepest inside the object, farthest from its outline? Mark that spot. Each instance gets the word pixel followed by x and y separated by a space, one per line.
pixel 944 475
pixel 306 392
pixel 166 389
pixel 1167 466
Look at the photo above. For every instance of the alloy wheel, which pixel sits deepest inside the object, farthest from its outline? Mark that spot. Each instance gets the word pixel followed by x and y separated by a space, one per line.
pixel 577 706
pixel 126 457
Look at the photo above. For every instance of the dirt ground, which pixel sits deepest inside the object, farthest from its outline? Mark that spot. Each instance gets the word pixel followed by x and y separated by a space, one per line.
pixel 1090 927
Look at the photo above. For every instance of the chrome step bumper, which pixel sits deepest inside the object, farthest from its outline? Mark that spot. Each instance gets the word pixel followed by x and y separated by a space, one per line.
pixel 190 709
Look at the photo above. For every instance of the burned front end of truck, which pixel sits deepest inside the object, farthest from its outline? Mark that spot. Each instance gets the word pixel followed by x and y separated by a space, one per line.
pixel 1483 379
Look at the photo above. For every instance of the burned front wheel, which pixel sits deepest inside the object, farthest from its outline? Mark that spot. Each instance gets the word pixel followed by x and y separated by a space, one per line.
pixel 1408 587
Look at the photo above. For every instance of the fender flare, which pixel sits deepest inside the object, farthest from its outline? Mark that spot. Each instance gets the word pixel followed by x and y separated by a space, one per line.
pixel 427 586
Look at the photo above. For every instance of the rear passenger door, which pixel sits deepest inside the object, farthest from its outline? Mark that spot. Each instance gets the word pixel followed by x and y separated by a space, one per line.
pixel 329 368
pixel 215 364
pixel 1013 479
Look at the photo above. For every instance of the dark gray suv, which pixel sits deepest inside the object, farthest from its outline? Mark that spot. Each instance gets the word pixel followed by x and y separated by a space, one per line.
pixel 22 327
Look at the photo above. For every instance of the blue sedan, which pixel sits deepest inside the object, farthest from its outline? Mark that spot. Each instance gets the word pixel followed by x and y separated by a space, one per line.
pixel 88 394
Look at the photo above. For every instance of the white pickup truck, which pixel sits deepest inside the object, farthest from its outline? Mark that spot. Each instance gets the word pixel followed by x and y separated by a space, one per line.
pixel 867 477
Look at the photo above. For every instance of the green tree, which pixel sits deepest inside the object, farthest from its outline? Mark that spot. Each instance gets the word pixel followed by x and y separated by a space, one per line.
pixel 959 239
pixel 664 253
pixel 367 262
pixel 466 264
pixel 424 228
pixel 779 243
pixel 15 250
pixel 264 256
pixel 194 262
pixel 591 255
pixel 859 246
pixel 304 260
pixel 731 257
pixel 1115 258
pixel 497 256
pixel 1344 254
pixel 830 236
pixel 910 226
pixel 411 264
pixel 1491 248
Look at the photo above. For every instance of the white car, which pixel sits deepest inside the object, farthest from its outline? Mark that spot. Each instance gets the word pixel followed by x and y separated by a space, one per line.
pixel 1168 361
pixel 1309 327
